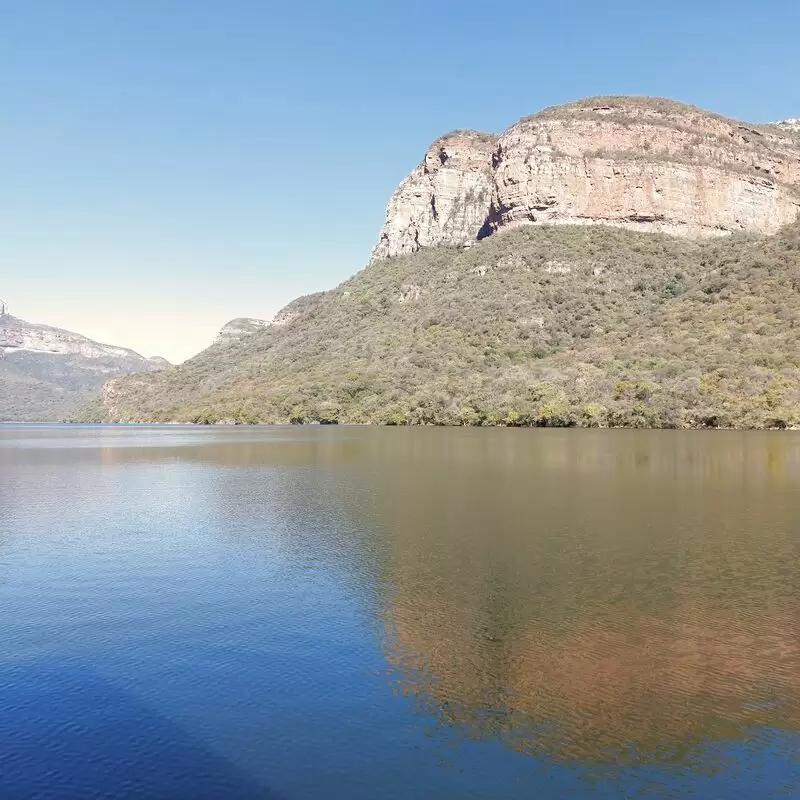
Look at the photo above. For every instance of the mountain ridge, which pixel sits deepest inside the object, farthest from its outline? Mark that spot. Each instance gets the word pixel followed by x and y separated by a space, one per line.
pixel 790 124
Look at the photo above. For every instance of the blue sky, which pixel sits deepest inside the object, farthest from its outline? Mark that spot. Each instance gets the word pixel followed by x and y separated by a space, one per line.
pixel 166 165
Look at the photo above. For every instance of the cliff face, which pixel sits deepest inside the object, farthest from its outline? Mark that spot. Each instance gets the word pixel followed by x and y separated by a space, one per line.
pixel 640 163
pixel 445 200
pixel 46 372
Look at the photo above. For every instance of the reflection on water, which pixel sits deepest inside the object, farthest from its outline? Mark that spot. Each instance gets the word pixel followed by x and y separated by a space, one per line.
pixel 577 600
pixel 611 597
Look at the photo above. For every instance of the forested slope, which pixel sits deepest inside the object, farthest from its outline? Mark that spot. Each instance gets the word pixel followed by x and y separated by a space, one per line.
pixel 549 325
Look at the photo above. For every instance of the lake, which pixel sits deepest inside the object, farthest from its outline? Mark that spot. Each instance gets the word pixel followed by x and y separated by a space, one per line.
pixel 398 613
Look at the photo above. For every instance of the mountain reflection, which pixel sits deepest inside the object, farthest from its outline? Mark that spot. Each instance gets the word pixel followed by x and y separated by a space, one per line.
pixel 606 687
pixel 582 595
pixel 608 605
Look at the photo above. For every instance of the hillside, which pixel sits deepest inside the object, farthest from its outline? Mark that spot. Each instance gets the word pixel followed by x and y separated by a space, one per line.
pixel 47 372
pixel 539 325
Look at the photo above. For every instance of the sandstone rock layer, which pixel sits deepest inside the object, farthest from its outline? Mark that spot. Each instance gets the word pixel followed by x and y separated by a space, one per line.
pixel 641 163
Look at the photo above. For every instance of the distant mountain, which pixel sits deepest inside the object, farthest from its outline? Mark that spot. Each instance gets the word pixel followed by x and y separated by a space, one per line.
pixel 46 372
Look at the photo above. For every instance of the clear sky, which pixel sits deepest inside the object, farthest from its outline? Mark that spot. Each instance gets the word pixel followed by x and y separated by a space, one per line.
pixel 166 165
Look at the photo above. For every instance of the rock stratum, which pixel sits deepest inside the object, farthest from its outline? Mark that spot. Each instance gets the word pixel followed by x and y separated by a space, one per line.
pixel 646 164
pixel 46 372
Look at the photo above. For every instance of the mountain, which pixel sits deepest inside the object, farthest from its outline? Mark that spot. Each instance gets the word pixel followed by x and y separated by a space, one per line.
pixel 646 164
pixel 46 372
pixel 614 262
pixel 546 325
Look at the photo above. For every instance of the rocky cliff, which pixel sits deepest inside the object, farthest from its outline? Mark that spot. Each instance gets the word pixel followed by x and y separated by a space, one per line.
pixel 642 163
pixel 45 372
pixel 544 325
pixel 445 200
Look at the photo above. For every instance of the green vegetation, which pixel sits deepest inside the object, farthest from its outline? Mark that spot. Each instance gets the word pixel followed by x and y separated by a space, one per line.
pixel 546 326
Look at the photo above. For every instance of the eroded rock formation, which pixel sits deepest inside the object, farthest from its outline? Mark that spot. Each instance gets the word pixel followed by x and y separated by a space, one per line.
pixel 641 163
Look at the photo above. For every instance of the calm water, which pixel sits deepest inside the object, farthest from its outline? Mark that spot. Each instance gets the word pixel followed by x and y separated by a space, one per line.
pixel 388 613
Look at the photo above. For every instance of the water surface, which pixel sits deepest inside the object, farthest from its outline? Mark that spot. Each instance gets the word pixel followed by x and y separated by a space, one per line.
pixel 297 613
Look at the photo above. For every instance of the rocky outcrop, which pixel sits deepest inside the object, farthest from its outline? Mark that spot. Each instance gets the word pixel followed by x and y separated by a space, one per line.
pixel 239 328
pixel 641 163
pixel 791 124
pixel 242 327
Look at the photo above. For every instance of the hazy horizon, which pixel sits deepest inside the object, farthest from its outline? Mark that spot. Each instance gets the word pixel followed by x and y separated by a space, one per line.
pixel 170 167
